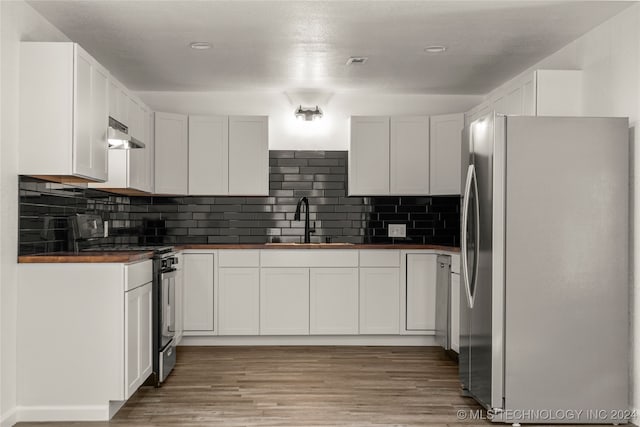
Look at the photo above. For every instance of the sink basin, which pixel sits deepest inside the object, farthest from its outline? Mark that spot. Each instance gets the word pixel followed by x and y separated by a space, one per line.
pixel 308 244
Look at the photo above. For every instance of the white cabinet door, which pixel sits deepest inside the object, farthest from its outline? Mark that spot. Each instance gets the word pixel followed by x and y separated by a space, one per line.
pixel 198 292
pixel 333 301
pixel 146 335
pixel 559 93
pixel 239 301
pixel 409 151
pixel 82 116
pixel 446 148
pixel 455 312
pixel 209 155
pixel 99 121
pixel 248 156
pixel 132 341
pixel 284 301
pixel 138 336
pixel 138 158
pixel 379 300
pixel 150 151
pixel 421 292
pixel 369 156
pixel 171 154
pixel 118 102
pixel 91 114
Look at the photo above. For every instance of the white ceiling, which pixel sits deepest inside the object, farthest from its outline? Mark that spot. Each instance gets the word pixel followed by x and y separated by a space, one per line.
pixel 286 45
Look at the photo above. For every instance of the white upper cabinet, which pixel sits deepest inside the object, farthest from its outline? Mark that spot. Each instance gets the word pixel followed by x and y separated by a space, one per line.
pixel 140 159
pixel 248 156
pixel 389 156
pixel 118 102
pixel 63 112
pixel 409 151
pixel 209 155
pixel 446 143
pixel 171 154
pixel 369 156
pixel 536 93
pixel 129 170
pixel 228 155
pixel 559 92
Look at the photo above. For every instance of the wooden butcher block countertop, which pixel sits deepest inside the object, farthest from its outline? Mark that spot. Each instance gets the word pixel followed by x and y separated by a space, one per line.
pixel 97 257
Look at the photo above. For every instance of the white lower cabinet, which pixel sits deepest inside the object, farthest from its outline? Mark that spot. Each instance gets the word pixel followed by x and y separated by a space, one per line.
pixel 289 292
pixel 421 292
pixel 379 300
pixel 137 341
pixel 455 312
pixel 284 301
pixel 104 312
pixel 198 293
pixel 333 300
pixel 239 301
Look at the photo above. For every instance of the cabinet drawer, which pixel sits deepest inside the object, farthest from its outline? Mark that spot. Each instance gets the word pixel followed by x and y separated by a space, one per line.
pixel 138 274
pixel 455 264
pixel 309 258
pixel 380 258
pixel 239 258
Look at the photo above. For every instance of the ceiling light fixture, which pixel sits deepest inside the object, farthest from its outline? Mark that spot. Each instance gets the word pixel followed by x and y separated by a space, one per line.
pixel 357 60
pixel 308 114
pixel 435 49
pixel 200 45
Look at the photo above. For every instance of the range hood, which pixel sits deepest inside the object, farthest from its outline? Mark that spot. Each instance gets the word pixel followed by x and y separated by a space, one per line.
pixel 119 138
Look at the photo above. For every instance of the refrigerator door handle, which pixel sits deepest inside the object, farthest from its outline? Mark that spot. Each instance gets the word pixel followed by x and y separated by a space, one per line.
pixel 476 257
pixel 463 241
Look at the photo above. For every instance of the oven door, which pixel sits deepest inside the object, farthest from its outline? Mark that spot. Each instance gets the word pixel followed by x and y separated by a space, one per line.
pixel 167 312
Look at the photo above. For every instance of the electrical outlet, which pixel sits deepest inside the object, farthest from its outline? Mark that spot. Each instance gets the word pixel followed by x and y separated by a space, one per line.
pixel 397 230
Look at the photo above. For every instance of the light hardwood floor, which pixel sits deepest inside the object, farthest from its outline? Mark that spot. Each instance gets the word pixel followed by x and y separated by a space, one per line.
pixel 300 386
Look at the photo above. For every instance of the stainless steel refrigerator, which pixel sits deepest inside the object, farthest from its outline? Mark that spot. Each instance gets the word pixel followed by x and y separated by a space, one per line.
pixel 545 306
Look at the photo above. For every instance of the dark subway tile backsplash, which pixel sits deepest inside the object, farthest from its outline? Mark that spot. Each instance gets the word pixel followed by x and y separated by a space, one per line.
pixel 319 175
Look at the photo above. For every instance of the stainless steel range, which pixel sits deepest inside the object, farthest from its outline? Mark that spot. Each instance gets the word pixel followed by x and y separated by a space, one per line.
pixel 164 312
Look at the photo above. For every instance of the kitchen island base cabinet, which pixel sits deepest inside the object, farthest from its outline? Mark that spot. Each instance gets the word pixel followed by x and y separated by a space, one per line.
pixel 284 301
pixel 239 301
pixel 198 293
pixel 379 300
pixel 333 301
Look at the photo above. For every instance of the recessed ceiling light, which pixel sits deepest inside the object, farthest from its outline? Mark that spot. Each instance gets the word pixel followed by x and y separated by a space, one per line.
pixel 435 49
pixel 200 45
pixel 356 60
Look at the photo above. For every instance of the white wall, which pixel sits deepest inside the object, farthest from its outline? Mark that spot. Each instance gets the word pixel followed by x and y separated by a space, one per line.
pixel 285 132
pixel 18 22
pixel 609 56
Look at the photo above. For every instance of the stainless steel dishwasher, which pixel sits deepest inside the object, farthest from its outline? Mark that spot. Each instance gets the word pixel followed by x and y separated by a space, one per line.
pixel 443 305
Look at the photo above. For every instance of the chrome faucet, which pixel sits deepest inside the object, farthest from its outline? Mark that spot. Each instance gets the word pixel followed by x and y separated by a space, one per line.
pixel 296 217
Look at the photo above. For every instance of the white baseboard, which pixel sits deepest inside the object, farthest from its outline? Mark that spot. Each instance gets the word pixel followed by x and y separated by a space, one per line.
pixel 379 340
pixel 63 413
pixel 9 418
